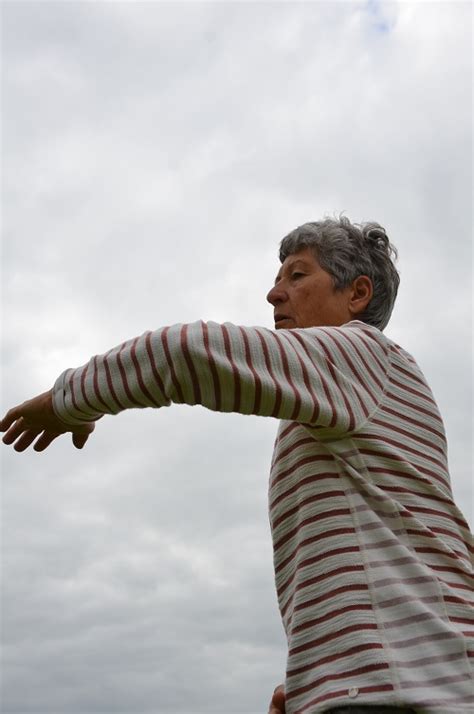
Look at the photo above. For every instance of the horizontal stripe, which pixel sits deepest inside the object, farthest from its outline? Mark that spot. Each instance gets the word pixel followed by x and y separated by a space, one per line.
pixel 414 422
pixel 342 693
pixel 334 677
pixel 310 541
pixel 290 471
pixel 329 616
pixel 337 655
pixel 318 579
pixel 454 679
pixel 305 502
pixel 401 446
pixel 313 478
pixel 333 513
pixel 420 662
pixel 335 552
pixel 423 640
pixel 332 636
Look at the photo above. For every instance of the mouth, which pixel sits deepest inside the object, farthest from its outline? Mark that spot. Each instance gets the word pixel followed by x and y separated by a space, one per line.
pixel 279 319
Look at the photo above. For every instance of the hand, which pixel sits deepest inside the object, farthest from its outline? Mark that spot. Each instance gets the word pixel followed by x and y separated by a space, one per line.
pixel 277 705
pixel 36 417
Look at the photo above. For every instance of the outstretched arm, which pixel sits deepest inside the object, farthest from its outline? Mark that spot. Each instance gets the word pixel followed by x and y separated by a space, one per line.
pixel 329 378
pixel 36 418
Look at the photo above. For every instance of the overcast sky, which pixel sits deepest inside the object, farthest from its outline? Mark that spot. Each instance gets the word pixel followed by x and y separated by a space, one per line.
pixel 154 156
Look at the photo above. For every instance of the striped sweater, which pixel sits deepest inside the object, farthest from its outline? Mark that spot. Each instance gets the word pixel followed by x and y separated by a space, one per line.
pixel 372 558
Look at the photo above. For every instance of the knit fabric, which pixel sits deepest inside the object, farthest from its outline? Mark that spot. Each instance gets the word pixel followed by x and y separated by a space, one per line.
pixel 373 560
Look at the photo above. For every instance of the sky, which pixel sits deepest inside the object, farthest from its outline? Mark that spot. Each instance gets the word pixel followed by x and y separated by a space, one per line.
pixel 154 155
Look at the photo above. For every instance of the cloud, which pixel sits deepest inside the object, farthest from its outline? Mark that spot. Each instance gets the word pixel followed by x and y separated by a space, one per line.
pixel 155 154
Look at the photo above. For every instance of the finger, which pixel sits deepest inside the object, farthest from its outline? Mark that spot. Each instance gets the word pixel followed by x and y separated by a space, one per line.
pixel 11 416
pixel 14 431
pixel 46 438
pixel 79 440
pixel 26 439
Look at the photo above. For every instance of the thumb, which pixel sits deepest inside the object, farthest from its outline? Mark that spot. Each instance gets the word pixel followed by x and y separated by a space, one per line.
pixel 278 701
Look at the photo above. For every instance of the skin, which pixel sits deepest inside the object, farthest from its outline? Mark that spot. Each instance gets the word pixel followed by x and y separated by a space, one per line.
pixel 36 418
pixel 277 704
pixel 303 296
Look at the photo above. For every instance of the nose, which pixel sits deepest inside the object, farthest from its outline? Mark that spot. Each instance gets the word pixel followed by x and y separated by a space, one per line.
pixel 277 295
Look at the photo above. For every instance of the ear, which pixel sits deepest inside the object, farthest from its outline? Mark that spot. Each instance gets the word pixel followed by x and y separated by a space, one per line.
pixel 361 294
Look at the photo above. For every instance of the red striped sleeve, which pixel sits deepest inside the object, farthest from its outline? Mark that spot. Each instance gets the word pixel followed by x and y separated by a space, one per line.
pixel 306 378
pixel 347 404
pixel 250 365
pixel 413 435
pixel 411 377
pixel 366 363
pixel 95 382
pixel 324 384
pixel 138 370
pixel 413 405
pixel 278 391
pixel 235 371
pixel 393 456
pixel 403 416
pixel 212 366
pixel 169 360
pixel 110 384
pixel 83 390
pixel 123 375
pixel 151 358
pixel 414 392
pixel 401 446
pixel 373 353
pixel 355 372
pixel 190 364
pixel 288 376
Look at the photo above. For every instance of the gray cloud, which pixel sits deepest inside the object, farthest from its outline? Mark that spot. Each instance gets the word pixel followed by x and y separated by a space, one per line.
pixel 155 154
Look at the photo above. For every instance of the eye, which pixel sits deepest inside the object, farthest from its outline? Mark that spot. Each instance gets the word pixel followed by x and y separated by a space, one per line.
pixel 295 276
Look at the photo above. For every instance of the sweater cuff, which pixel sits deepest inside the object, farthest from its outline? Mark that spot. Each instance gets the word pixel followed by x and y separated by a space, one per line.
pixel 63 406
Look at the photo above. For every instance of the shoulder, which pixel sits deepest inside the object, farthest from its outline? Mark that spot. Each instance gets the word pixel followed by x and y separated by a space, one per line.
pixel 354 335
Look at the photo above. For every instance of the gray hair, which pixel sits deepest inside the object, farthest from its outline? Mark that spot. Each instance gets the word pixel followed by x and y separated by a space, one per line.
pixel 347 250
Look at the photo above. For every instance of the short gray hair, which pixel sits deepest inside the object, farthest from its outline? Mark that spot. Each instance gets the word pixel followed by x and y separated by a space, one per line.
pixel 347 250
